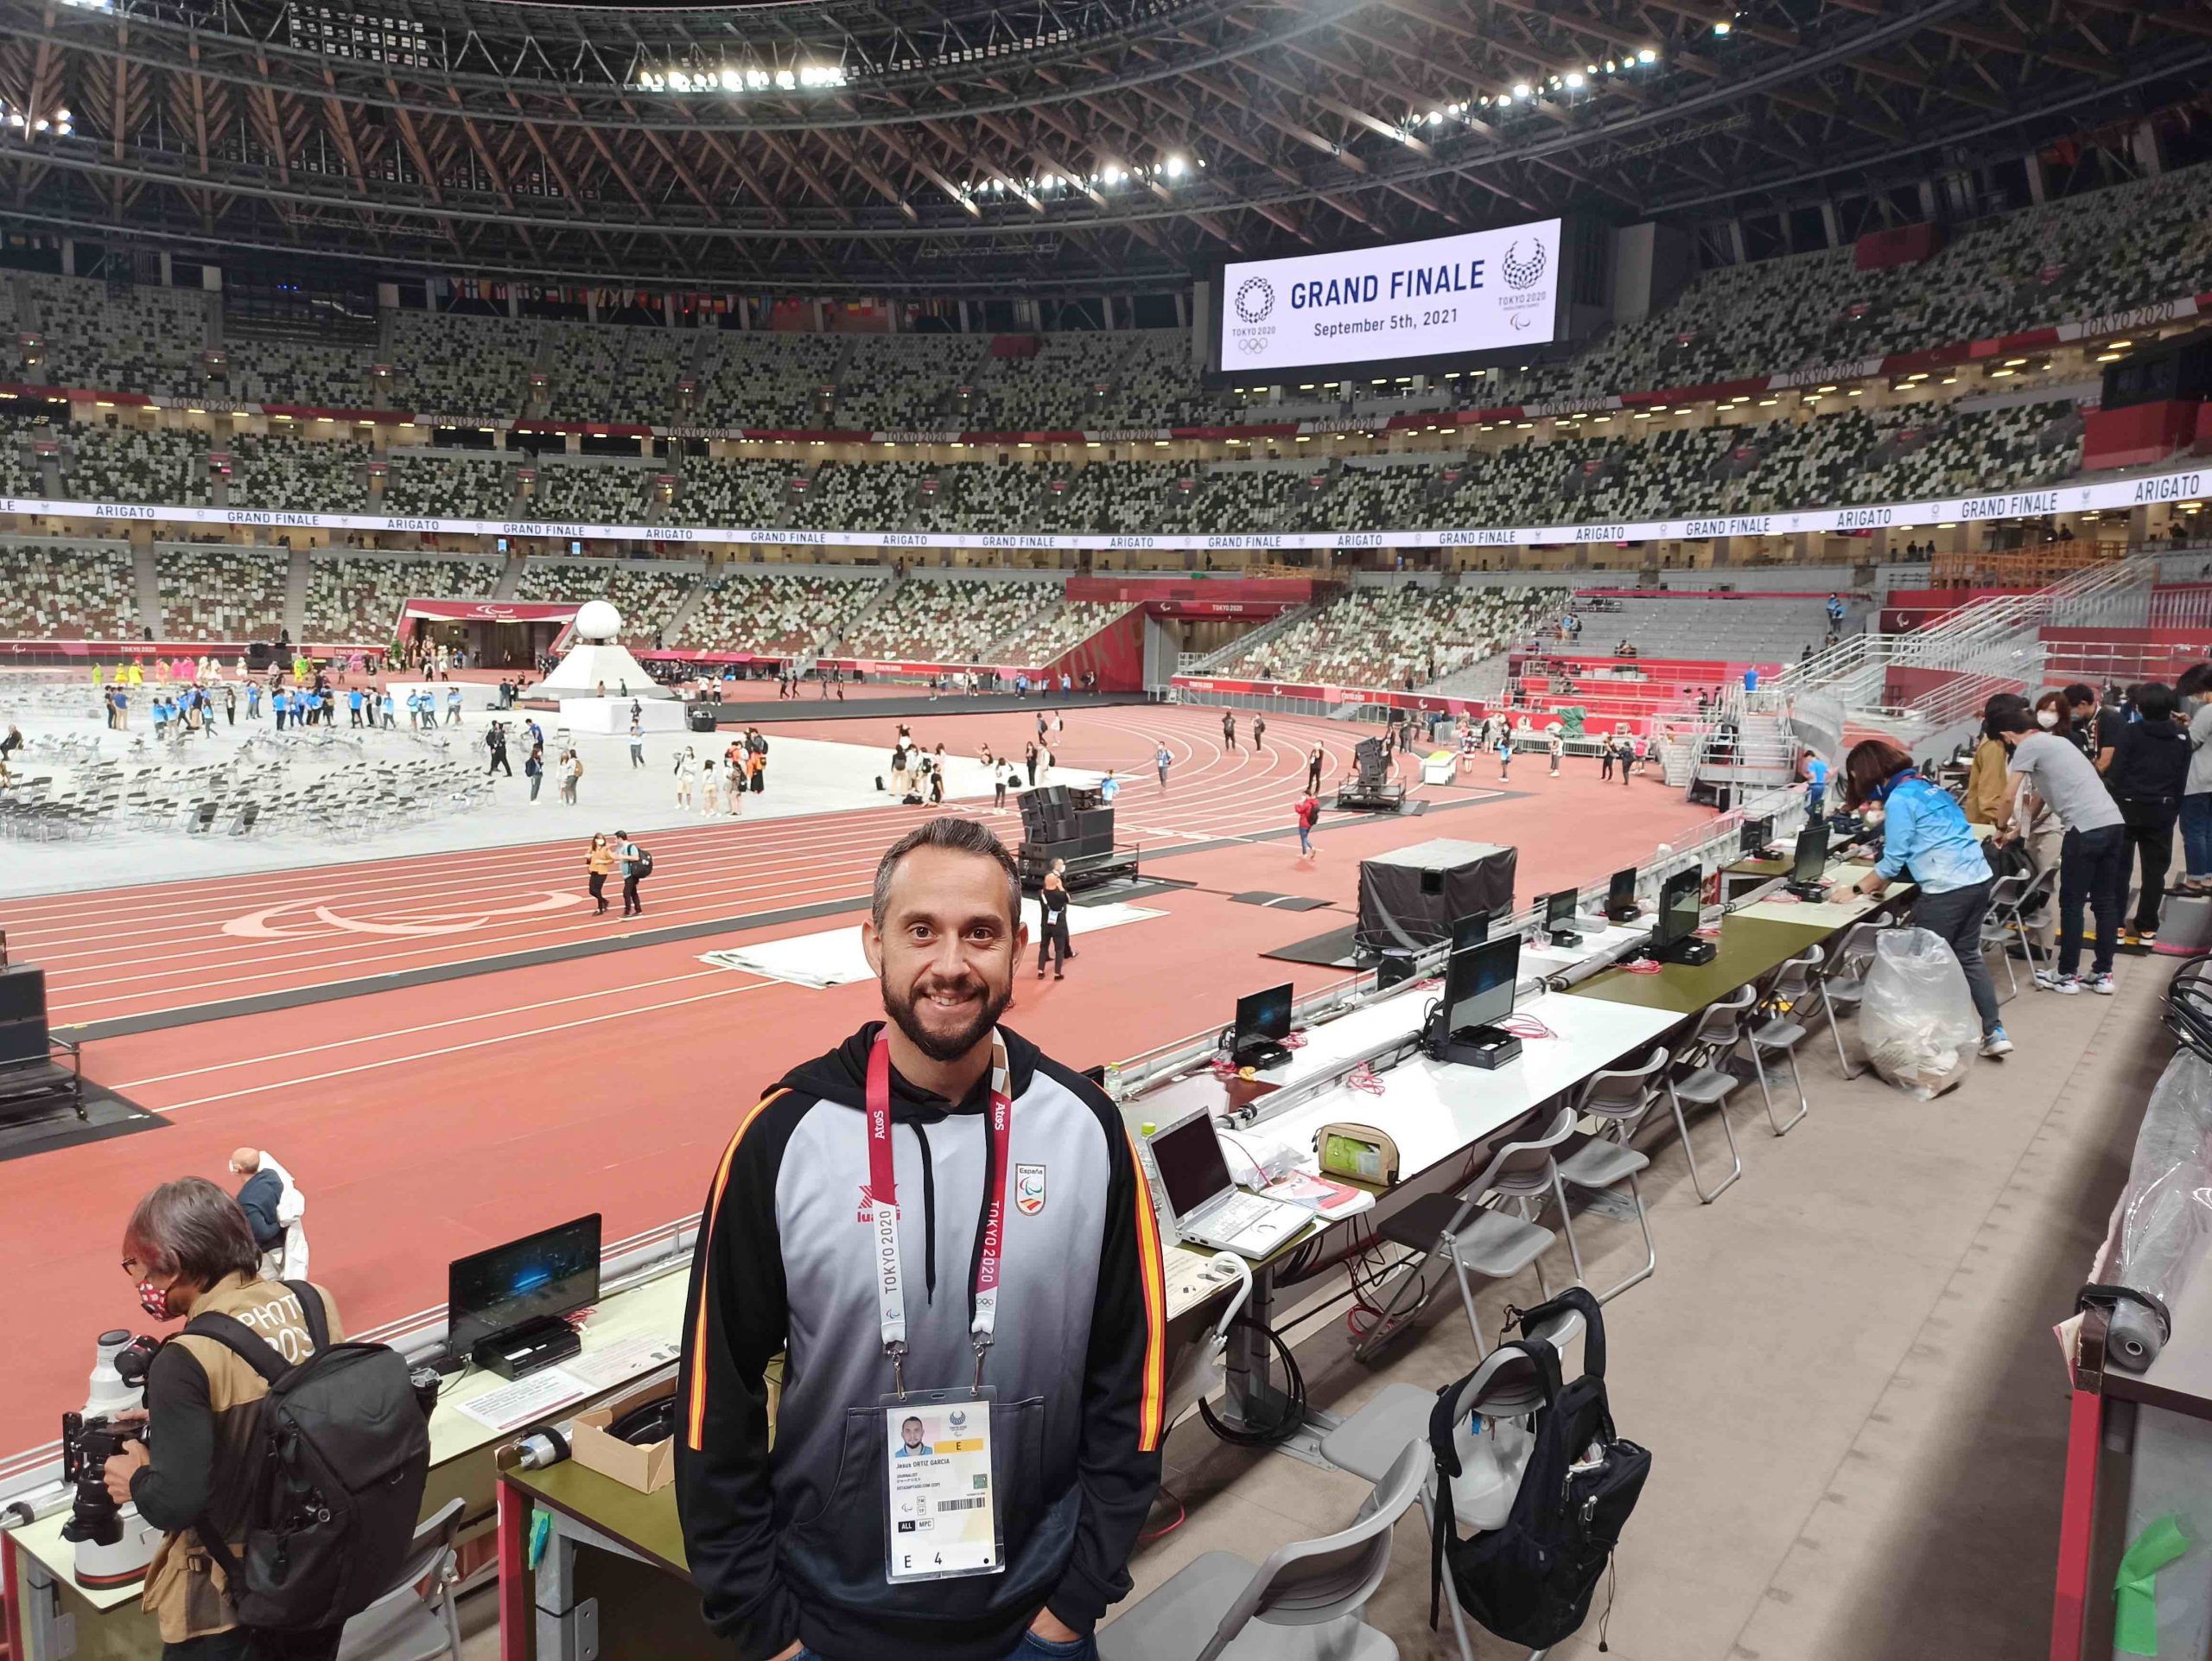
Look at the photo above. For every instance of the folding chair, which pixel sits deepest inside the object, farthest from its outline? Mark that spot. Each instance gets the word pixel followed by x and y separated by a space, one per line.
pixel 1307 1596
pixel 1458 1229
pixel 1781 1033
pixel 1709 1085
pixel 2004 897
pixel 413 1618
pixel 1842 983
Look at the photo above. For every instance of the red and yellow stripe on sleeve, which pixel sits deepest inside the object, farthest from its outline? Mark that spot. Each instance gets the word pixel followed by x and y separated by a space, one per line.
pixel 1154 1275
pixel 695 1410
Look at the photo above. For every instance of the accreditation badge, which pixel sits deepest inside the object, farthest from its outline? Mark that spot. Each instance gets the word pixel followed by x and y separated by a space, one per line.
pixel 941 1510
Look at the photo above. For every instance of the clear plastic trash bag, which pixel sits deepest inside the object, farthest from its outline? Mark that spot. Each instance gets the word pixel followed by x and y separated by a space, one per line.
pixel 1916 1019
pixel 2166 1213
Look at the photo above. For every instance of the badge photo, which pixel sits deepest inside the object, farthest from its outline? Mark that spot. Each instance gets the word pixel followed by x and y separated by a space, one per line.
pixel 1029 1189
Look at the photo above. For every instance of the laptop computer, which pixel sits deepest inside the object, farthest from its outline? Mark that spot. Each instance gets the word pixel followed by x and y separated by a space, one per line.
pixel 1208 1209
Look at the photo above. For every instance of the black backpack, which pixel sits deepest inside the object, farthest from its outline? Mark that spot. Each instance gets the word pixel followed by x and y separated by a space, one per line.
pixel 342 1450
pixel 1531 1582
pixel 642 866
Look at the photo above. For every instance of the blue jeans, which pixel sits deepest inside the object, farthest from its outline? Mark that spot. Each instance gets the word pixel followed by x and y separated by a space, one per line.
pixel 1305 840
pixel 1031 1648
pixel 2196 836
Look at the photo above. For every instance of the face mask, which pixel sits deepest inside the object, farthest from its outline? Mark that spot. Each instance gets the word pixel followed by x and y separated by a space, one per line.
pixel 2046 719
pixel 154 1300
pixel 1874 815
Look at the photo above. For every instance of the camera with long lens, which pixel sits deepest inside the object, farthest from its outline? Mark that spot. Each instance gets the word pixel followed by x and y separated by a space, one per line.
pixel 114 1544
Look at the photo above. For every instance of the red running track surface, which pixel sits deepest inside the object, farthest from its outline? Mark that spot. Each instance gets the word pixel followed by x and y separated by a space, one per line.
pixel 428 1121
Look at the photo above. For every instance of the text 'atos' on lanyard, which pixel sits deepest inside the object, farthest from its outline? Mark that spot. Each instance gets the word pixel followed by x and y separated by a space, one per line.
pixel 883 1210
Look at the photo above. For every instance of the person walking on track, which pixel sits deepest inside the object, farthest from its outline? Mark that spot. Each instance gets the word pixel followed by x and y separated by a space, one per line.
pixel 1308 810
pixel 598 863
pixel 1259 732
pixel 1229 729
pixel 1160 760
pixel 633 872
pixel 1314 771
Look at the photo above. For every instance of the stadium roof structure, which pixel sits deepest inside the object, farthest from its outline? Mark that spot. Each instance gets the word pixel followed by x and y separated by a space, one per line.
pixel 1049 146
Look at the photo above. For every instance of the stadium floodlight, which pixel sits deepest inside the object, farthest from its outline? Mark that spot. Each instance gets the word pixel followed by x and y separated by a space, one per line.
pixel 1177 167
pixel 1574 77
pixel 1521 89
pixel 1647 55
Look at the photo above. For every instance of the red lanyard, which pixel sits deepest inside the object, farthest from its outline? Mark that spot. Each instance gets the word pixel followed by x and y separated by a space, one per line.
pixel 883 1205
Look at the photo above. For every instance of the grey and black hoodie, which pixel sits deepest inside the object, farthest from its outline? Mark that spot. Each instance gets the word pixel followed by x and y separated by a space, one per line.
pixel 790 1545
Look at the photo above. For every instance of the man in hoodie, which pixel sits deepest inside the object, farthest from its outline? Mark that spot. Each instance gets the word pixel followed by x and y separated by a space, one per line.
pixel 1053 1305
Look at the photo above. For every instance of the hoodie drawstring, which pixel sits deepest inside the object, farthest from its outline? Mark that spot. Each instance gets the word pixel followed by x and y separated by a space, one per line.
pixel 929 1217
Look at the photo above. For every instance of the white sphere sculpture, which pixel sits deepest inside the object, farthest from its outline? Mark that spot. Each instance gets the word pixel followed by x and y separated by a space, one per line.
pixel 598 620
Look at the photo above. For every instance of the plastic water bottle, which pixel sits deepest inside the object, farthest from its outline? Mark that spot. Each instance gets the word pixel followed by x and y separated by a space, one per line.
pixel 1492 1453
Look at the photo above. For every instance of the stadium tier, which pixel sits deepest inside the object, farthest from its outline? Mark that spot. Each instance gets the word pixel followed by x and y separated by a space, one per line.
pixel 356 597
pixel 1404 635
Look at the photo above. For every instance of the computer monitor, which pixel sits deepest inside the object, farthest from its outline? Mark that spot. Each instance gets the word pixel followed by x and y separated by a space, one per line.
pixel 1812 854
pixel 554 1272
pixel 1678 910
pixel 1471 930
pixel 1757 833
pixel 1191 1168
pixel 1559 910
pixel 1263 1016
pixel 1620 893
pixel 1478 984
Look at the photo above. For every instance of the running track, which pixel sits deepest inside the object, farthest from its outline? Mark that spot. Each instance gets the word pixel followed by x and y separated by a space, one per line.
pixel 139 951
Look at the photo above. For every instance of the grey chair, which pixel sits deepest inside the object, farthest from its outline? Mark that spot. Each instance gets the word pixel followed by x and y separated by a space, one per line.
pixel 413 1618
pixel 1456 1228
pixel 1369 1442
pixel 1841 983
pixel 2016 916
pixel 1775 1030
pixel 2002 921
pixel 1618 1098
pixel 1306 1597
pixel 1713 1037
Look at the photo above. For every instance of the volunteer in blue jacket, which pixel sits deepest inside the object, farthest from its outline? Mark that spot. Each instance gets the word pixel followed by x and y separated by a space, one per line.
pixel 1925 842
pixel 999 1279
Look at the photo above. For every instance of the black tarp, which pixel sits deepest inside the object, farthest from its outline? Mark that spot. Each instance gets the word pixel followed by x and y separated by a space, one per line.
pixel 1412 897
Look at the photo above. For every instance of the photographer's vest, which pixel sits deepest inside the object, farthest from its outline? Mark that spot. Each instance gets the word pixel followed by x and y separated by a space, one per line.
pixel 184 1588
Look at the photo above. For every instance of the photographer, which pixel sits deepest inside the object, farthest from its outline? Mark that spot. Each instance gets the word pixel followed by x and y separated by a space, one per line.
pixel 191 1252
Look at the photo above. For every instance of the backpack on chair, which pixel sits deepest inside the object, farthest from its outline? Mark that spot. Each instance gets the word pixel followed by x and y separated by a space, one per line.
pixel 1531 1582
pixel 340 1449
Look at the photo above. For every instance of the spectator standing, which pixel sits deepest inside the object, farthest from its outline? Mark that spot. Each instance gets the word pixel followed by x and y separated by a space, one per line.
pixel 389 710
pixel 2196 689
pixel 191 1252
pixel 1053 911
pixel 495 741
pixel 599 862
pixel 533 768
pixel 1504 754
pixel 999 777
pixel 1259 731
pixel 572 774
pixel 633 872
pixel 2148 775
pixel 2093 858
pixel 1556 745
pixel 1029 761
pixel 1314 771
pixel 687 774
pixel 1160 760
pixel 756 750
pixel 2094 728
pixel 1109 788
pixel 453 706
pixel 230 705
pixel 637 744
pixel 1229 729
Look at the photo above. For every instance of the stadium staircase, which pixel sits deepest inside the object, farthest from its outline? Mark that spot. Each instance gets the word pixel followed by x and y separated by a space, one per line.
pixel 671 632
pixel 510 579
pixel 297 569
pixel 828 644
pixel 146 584
pixel 1217 661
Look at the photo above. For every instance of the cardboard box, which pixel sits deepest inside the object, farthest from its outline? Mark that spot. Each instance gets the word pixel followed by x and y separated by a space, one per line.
pixel 647 1468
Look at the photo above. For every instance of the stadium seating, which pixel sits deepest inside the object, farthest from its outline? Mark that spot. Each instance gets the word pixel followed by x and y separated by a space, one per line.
pixel 611 373
pixel 130 339
pixel 736 493
pixel 646 592
pixel 909 380
pixel 68 591
pixel 276 369
pixel 1742 628
pixel 355 597
pixel 1385 635
pixel 216 592
pixel 123 464
pixel 1062 626
pixel 453 487
pixel 959 620
pixel 316 476
pixel 768 379
pixel 450 365
pixel 775 612
pixel 589 495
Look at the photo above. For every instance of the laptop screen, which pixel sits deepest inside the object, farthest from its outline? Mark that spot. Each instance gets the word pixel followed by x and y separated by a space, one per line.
pixel 1191 1168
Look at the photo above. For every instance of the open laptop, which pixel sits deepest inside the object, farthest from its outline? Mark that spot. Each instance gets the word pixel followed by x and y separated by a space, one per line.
pixel 1209 1210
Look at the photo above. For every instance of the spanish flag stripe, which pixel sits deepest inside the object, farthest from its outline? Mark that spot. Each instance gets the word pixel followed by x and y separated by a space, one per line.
pixel 1154 1275
pixel 696 1416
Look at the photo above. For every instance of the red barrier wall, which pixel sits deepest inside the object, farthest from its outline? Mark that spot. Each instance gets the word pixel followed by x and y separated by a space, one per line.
pixel 2138 434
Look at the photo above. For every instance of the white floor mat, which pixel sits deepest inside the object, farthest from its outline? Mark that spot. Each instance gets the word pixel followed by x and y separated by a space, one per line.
pixel 833 956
